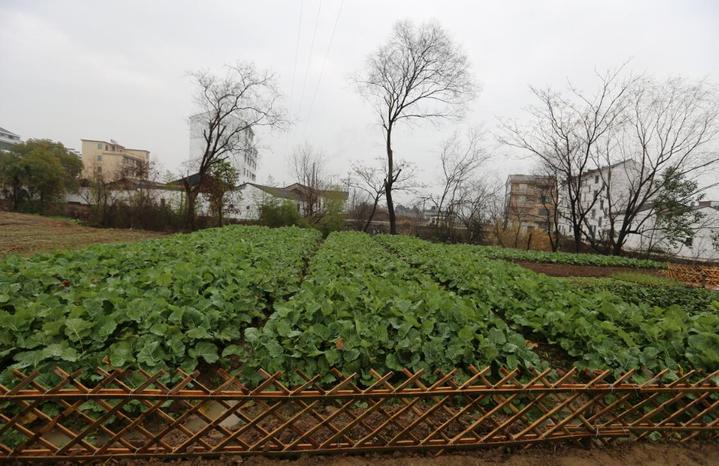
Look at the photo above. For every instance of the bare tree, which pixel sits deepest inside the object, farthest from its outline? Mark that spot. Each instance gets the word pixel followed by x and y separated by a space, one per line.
pixel 231 106
pixel 505 223
pixel 309 169
pixel 668 136
pixel 550 201
pixel 372 181
pixel 476 208
pixel 419 74
pixel 460 158
pixel 565 135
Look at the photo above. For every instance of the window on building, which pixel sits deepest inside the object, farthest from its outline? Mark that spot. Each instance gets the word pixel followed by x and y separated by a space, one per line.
pixel 99 146
pixel 594 213
pixel 599 222
pixel 596 179
pixel 107 147
pixel 99 158
pixel 601 203
pixel 596 193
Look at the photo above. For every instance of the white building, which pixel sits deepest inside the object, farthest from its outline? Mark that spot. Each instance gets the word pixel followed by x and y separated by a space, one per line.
pixel 701 247
pixel 599 186
pixel 253 196
pixel 244 160
pixel 126 190
pixel 8 139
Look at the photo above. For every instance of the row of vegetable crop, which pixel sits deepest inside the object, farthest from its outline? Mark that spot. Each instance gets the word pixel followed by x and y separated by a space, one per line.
pixel 559 257
pixel 167 302
pixel 691 300
pixel 595 327
pixel 361 307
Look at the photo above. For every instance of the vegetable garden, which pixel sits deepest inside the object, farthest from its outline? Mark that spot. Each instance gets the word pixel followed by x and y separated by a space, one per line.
pixel 251 297
pixel 350 324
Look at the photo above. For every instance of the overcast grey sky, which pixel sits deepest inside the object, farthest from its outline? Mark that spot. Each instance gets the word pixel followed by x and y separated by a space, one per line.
pixel 118 69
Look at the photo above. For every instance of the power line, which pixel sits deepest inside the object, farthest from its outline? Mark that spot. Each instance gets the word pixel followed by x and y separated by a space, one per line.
pixel 309 57
pixel 324 61
pixel 297 47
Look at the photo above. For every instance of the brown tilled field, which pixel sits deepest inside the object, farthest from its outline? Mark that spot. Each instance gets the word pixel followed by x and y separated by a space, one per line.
pixel 27 234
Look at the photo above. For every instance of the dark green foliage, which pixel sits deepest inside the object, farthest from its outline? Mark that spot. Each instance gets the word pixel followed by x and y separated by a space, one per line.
pixel 37 172
pixel 361 308
pixel 333 219
pixel 675 217
pixel 658 294
pixel 279 214
pixel 494 252
pixel 161 303
pixel 597 327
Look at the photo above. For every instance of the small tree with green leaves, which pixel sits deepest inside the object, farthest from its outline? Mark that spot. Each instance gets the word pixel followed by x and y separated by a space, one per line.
pixel 676 219
pixel 279 214
pixel 39 171
pixel 222 179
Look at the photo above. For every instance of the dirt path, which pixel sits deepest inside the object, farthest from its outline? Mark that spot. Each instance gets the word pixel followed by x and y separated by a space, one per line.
pixel 631 455
pixel 28 234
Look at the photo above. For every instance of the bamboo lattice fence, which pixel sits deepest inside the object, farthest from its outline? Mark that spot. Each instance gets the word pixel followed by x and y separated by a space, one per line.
pixel 134 414
pixel 706 276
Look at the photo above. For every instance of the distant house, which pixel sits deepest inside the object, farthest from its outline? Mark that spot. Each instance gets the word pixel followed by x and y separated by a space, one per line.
pixel 110 161
pixel 253 196
pixel 8 139
pixel 126 190
pixel 528 201
pixel 700 247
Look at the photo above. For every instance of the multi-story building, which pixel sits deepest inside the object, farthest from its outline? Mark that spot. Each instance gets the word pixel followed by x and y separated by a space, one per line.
pixel 611 183
pixel 243 158
pixel 111 161
pixel 8 139
pixel 528 201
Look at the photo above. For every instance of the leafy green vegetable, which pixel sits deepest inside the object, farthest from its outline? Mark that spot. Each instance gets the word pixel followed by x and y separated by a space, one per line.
pixel 496 252
pixel 166 302
pixel 598 327
pixel 361 308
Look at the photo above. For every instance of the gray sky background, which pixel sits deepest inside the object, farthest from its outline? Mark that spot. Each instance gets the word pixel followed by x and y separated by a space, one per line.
pixel 118 69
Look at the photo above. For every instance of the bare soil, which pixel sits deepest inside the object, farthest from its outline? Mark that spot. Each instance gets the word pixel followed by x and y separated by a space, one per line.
pixel 27 234
pixel 626 455
pixel 566 270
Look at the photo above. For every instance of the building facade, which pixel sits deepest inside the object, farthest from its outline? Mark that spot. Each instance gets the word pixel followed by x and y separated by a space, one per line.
pixel 8 139
pixel 251 197
pixel 611 183
pixel 529 202
pixel 244 158
pixel 111 161
pixel 702 246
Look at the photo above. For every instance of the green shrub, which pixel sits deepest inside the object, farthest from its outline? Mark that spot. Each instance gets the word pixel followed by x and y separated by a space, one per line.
pixel 274 214
pixel 333 218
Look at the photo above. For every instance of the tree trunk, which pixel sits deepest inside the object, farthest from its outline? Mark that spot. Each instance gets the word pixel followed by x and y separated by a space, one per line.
pixel 219 210
pixel 388 183
pixel 619 244
pixel 371 215
pixel 577 231
pixel 15 194
pixel 190 212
